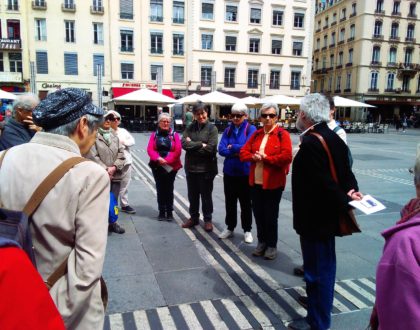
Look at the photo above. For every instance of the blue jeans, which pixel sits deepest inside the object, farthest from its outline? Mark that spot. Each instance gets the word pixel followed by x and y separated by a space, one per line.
pixel 319 264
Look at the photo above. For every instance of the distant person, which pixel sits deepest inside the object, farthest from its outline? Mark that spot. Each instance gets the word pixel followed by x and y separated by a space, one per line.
pixel 108 152
pixel 236 173
pixel 127 140
pixel 71 222
pixel 20 128
pixel 199 141
pixel 332 123
pixel 189 117
pixel 404 122
pixel 164 149
pixel 397 276
pixel 397 122
pixel 270 152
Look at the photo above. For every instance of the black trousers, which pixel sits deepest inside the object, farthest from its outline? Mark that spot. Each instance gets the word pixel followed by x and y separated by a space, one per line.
pixel 115 188
pixel 164 188
pixel 237 188
pixel 265 204
pixel 200 185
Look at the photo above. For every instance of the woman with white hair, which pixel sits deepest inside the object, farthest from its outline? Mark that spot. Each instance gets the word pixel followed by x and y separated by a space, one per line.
pixel 164 150
pixel 270 152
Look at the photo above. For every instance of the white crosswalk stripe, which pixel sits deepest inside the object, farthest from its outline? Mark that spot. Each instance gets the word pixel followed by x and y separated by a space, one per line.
pixel 214 317
pixel 190 317
pixel 346 294
pixel 165 318
pixel 140 318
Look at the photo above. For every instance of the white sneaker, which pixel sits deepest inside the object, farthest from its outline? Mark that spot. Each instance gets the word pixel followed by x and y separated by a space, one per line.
pixel 226 233
pixel 248 237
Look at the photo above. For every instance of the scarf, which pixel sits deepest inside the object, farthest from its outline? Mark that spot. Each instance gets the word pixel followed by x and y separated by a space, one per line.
pixel 106 134
pixel 410 210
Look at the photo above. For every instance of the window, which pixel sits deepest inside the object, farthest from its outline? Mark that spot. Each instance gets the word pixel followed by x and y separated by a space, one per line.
pixel 333 38
pixel 316 64
pixel 254 45
pixel 392 55
pixel 322 84
pixel 12 5
pixel 379 6
pixel 342 34
pixel 156 10
pixel 126 40
pixel 126 10
pixel 97 5
pixel 390 81
pixel 178 74
pixel 98 33
pixel 348 81
pixel 353 9
pixel 1 62
pixel 206 41
pixel 70 64
pixel 178 9
pixel 334 19
pixel 406 84
pixel 338 83
pixel 340 58
pixel 319 26
pixel 207 10
pixel 408 56
pixel 252 78
pixel 297 48
pixel 41 62
pixel 178 44
pixel 394 30
pixel 13 29
pixel 295 80
pixel 127 70
pixel 154 68
pixel 324 62
pixel 410 32
pixel 40 29
pixel 206 75
pixel 277 17
pixel 231 13
pixel 376 54
pixel 378 29
pixel 274 79
pixel 298 20
pixel 255 16
pixel 98 59
pixel 276 46
pixel 231 43
pixel 326 22
pixel 69 4
pixel 418 85
pixel 374 80
pixel 343 14
pixel 350 56
pixel 69 31
pixel 412 10
pixel 230 77
pixel 156 43
pixel 352 31
pixel 332 61
pixel 330 81
pixel 318 43
pixel 396 8
pixel 325 41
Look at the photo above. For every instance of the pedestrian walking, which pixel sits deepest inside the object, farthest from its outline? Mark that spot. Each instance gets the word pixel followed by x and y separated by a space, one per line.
pixel 127 140
pixel 164 149
pixel 318 202
pixel 199 141
pixel 71 222
pixel 108 152
pixel 270 152
pixel 189 117
pixel 236 173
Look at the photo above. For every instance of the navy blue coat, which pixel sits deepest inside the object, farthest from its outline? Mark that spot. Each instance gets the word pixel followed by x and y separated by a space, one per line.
pixel 14 133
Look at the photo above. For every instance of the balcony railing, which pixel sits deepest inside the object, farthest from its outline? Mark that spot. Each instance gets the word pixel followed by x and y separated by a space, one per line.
pixel 396 13
pixel 353 14
pixel 410 39
pixel 154 18
pixel 337 91
pixel 394 38
pixel 324 48
pixel 10 44
pixel 373 90
pixel 10 77
pixel 341 42
pixel 378 37
pixel 39 5
pixel 178 52
pixel 318 30
pixel 347 90
pixel 97 10
pixel 412 15
pixel 70 7
pixel 156 51
pixel 379 12
pixel 350 39
pixel 349 64
pixel 390 90
pixel 178 20
pixel 392 64
pixel 342 19
pixel 376 63
pixel 332 45
pixel 339 66
pixel 325 27
pixel 127 49
pixel 333 23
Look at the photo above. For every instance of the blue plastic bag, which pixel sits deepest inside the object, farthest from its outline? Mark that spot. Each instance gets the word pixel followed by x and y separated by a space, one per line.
pixel 113 209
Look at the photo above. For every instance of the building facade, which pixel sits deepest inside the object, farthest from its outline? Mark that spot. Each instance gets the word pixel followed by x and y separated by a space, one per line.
pixel 369 51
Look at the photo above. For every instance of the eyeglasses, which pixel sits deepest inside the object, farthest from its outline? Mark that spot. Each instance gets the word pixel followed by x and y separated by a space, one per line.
pixel 111 119
pixel 266 115
pixel 237 115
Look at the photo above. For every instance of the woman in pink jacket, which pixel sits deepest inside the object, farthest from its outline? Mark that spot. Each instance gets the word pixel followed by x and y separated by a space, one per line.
pixel 164 150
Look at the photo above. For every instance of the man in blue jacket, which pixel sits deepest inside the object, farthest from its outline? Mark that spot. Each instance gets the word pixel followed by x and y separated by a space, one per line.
pixel 235 172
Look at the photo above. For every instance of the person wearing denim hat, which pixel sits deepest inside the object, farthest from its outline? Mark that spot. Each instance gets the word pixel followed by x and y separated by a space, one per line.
pixel 72 221
pixel 235 172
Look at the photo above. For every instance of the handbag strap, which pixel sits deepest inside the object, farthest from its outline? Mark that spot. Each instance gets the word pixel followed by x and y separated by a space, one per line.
pixel 327 150
pixel 48 183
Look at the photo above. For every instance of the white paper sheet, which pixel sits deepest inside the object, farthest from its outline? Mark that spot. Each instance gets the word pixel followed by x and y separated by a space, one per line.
pixel 368 205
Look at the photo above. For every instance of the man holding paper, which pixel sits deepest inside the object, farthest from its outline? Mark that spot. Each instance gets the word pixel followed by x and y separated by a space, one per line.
pixel 318 201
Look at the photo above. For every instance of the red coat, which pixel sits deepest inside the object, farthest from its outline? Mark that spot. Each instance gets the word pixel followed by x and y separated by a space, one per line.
pixel 25 302
pixel 278 152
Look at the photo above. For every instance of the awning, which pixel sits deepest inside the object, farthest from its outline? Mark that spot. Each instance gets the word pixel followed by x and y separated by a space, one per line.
pixel 119 91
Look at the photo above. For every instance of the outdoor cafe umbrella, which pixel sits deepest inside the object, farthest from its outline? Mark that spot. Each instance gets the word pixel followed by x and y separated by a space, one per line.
pixel 189 99
pixel 145 96
pixel 281 99
pixel 251 101
pixel 7 95
pixel 343 102
pixel 219 98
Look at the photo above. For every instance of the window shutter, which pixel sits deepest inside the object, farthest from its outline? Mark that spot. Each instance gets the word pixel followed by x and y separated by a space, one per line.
pixel 276 44
pixel 70 64
pixel 98 59
pixel 297 45
pixel 126 9
pixel 230 40
pixel 178 74
pixel 255 13
pixel 42 62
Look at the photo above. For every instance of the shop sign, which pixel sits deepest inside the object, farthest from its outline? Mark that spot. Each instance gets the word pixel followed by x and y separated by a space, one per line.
pixel 138 85
pixel 51 85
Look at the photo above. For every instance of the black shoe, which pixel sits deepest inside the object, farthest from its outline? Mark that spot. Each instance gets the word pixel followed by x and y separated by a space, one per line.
pixel 161 216
pixel 128 209
pixel 169 216
pixel 303 300
pixel 116 228
pixel 299 325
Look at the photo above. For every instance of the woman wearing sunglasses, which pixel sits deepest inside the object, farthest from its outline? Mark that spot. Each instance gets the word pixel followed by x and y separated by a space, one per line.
pixel 270 152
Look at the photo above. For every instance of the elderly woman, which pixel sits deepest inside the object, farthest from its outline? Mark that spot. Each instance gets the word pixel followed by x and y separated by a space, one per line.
pixel 199 140
pixel 109 153
pixel 397 276
pixel 164 150
pixel 236 173
pixel 270 152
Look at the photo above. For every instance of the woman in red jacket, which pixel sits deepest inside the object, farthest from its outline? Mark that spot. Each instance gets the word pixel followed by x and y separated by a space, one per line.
pixel 270 152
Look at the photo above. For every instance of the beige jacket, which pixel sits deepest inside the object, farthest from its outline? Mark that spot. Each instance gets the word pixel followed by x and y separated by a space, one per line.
pixel 71 221
pixel 109 155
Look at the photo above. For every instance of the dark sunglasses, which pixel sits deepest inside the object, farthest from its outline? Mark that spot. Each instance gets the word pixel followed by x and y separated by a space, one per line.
pixel 237 115
pixel 266 115
pixel 111 119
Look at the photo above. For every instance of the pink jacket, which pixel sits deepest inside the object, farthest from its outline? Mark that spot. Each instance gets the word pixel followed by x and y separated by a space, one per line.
pixel 398 277
pixel 174 156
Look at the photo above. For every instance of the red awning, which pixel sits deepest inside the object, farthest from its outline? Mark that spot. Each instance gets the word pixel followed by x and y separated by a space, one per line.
pixel 119 91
